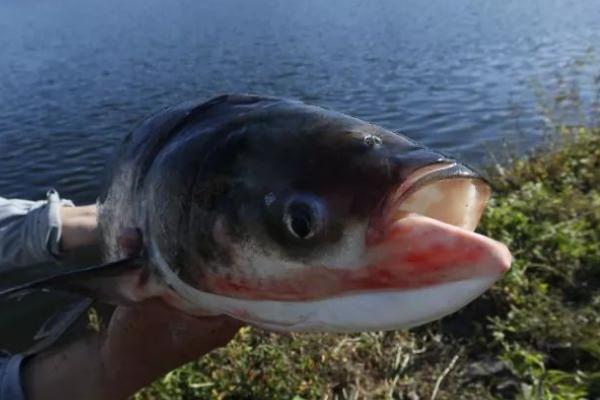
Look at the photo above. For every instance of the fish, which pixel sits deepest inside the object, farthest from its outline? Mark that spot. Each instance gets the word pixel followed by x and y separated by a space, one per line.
pixel 290 217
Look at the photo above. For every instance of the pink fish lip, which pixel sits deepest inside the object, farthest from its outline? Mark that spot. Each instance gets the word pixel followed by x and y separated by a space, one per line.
pixel 432 251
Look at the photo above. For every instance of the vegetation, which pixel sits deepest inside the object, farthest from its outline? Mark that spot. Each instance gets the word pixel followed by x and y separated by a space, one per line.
pixel 534 335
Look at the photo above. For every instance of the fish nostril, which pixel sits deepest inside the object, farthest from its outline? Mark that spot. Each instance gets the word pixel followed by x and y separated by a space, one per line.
pixel 372 140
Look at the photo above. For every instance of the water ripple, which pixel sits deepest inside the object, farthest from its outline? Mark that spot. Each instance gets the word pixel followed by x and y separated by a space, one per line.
pixel 76 76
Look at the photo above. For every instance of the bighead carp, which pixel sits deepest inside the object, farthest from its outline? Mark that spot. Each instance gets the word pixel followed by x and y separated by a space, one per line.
pixel 292 218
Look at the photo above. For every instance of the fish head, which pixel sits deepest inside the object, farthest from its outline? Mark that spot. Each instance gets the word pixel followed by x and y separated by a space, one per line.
pixel 298 218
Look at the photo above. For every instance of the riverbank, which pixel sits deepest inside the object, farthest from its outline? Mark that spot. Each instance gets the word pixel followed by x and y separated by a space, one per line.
pixel 536 334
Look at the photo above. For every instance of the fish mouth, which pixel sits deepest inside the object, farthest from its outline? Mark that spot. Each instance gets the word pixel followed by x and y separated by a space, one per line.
pixel 423 235
pixel 450 193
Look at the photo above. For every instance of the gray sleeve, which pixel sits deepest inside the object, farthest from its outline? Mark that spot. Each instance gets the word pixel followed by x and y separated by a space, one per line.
pixel 10 378
pixel 30 231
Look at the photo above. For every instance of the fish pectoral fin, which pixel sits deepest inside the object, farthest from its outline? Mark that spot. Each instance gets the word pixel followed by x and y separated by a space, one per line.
pixel 123 281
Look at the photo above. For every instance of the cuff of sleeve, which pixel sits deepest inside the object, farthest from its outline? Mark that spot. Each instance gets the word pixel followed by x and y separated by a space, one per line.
pixel 10 379
pixel 54 222
pixel 47 227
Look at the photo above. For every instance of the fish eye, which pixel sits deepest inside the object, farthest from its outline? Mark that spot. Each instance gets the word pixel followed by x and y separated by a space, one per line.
pixel 303 216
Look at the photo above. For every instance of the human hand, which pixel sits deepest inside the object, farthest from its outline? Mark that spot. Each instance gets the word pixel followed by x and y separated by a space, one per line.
pixel 142 342
pixel 148 340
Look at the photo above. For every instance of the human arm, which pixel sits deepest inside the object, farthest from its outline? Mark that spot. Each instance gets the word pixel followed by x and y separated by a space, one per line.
pixel 79 227
pixel 33 232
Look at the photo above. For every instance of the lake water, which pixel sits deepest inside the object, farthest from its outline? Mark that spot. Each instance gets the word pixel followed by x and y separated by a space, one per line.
pixel 75 76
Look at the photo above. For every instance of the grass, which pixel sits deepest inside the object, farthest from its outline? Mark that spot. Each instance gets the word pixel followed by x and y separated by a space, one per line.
pixel 534 335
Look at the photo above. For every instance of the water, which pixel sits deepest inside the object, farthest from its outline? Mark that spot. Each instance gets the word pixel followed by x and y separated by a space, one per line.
pixel 75 76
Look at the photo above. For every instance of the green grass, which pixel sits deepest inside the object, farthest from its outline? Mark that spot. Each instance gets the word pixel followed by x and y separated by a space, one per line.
pixel 534 335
